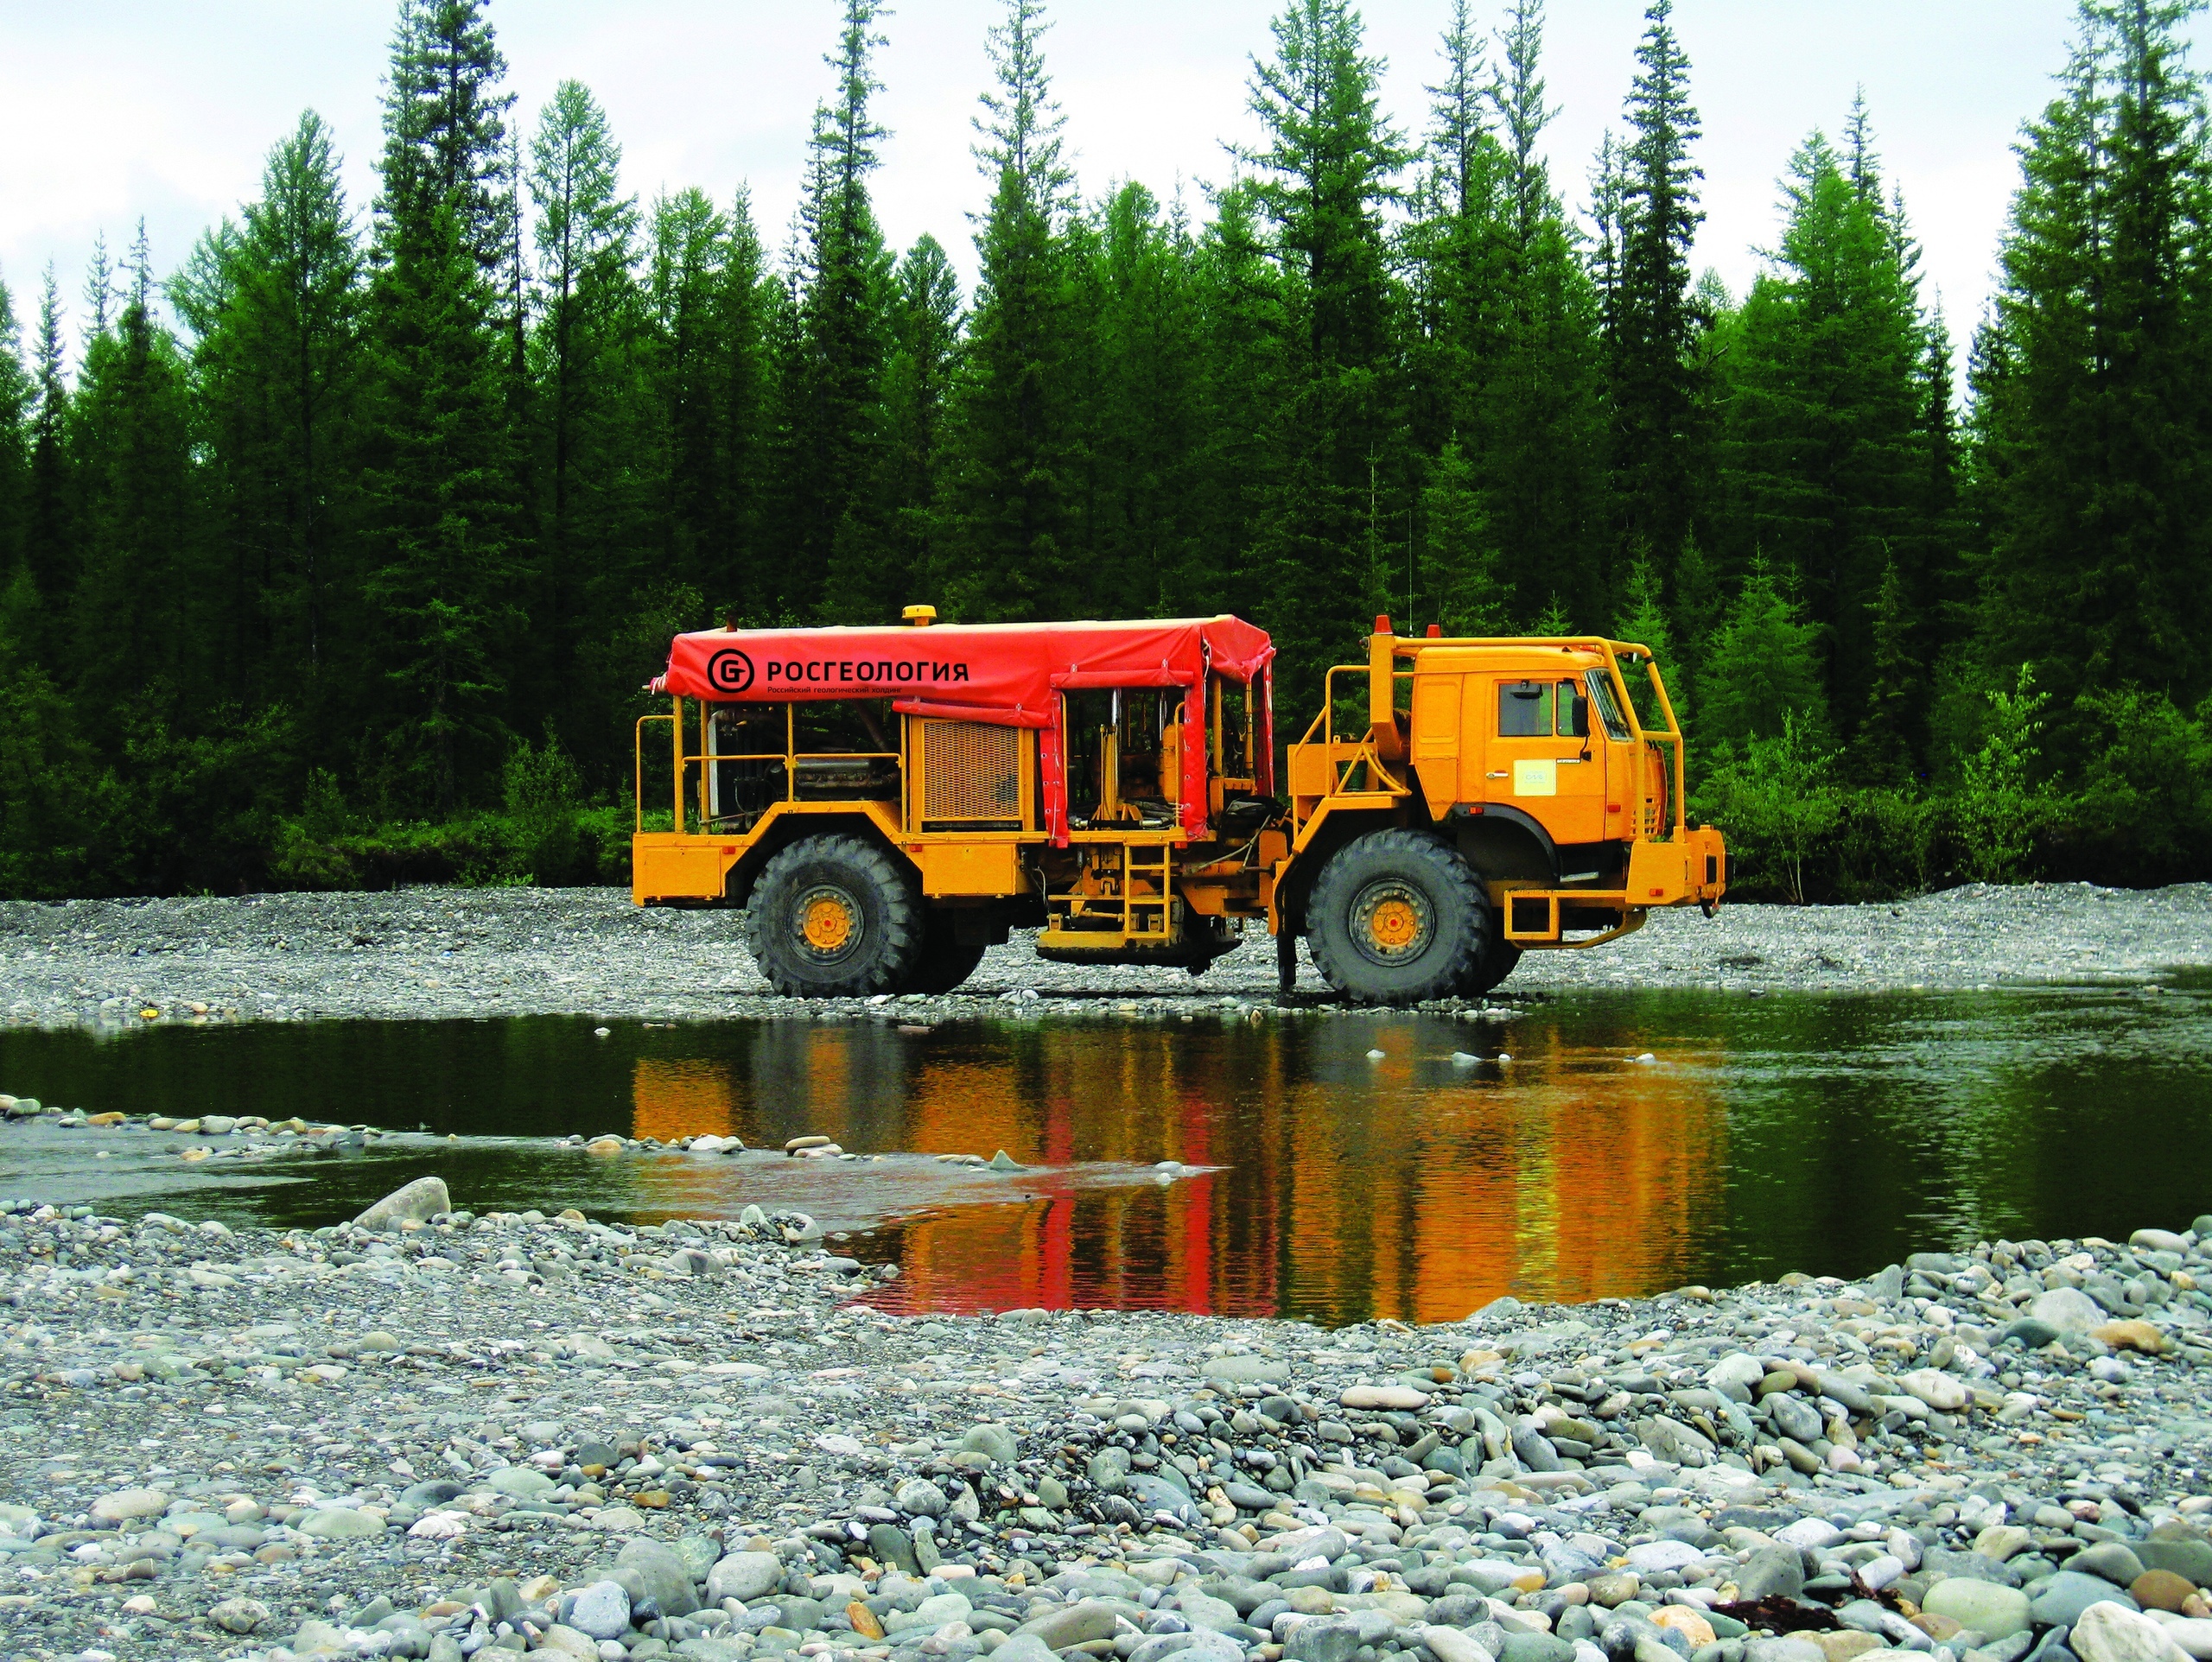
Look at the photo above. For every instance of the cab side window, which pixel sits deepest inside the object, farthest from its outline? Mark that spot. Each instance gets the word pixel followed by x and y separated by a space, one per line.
pixel 1573 711
pixel 1524 709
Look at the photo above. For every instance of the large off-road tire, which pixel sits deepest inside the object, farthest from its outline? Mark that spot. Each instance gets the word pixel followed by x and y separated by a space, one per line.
pixel 834 917
pixel 1497 961
pixel 945 963
pixel 1396 917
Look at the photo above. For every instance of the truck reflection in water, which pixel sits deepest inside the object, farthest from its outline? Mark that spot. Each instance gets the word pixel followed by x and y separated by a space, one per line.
pixel 1831 1134
pixel 1330 1185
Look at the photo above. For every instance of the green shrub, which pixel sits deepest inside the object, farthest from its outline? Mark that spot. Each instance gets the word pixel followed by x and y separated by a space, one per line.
pixel 2004 810
pixel 1778 803
pixel 544 794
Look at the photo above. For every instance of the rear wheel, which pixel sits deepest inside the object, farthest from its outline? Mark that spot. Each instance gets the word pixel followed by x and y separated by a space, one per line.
pixel 1396 917
pixel 944 962
pixel 833 917
pixel 1497 961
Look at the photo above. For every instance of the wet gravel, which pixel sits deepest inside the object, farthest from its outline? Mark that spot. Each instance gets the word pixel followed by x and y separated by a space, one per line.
pixel 427 953
pixel 457 1436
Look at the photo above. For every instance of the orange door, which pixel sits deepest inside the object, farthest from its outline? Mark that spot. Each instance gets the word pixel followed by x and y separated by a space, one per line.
pixel 1542 760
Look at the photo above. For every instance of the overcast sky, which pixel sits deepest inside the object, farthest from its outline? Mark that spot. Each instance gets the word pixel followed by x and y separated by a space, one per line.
pixel 111 109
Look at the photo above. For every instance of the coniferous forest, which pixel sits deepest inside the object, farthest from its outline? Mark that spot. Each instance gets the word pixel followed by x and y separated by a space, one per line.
pixel 338 556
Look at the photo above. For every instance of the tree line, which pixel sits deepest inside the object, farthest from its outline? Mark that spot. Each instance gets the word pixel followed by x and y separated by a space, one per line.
pixel 342 553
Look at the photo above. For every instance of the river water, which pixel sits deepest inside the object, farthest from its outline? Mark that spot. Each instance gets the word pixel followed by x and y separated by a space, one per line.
pixel 1632 1142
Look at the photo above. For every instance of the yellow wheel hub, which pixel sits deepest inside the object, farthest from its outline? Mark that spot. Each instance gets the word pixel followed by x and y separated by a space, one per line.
pixel 1392 922
pixel 827 922
pixel 1394 925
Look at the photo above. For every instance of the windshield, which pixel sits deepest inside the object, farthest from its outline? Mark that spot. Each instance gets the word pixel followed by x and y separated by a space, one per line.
pixel 1608 707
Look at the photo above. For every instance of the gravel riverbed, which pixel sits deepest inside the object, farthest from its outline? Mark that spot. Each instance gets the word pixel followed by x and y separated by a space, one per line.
pixel 430 1434
pixel 427 953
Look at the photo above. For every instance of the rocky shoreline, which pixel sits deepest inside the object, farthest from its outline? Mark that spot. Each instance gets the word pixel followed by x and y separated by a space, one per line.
pixel 445 953
pixel 433 1434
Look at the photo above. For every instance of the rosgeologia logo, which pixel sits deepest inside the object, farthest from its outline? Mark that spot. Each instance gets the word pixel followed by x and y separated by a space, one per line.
pixel 729 671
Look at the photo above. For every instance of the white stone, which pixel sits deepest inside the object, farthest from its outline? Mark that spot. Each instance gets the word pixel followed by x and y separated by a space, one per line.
pixel 1945 1392
pixel 744 1576
pixel 1817 1533
pixel 1878 1573
pixel 2069 1309
pixel 418 1201
pixel 2159 1240
pixel 1996 1612
pixel 1739 1369
pixel 2111 1632
pixel 2192 1634
pixel 126 1503
pixel 1451 1645
pixel 1383 1396
pixel 1654 1556
pixel 602 1610
pixel 521 1482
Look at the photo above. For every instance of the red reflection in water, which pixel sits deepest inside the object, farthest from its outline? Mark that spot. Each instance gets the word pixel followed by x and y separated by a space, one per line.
pixel 1347 1187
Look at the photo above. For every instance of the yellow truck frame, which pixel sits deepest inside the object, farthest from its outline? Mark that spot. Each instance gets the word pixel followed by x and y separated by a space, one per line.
pixel 1430 831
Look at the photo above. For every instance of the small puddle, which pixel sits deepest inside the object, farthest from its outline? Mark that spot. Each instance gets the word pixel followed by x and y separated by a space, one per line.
pixel 1830 1133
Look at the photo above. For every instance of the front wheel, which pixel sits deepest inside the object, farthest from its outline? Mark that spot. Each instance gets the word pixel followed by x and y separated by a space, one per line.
pixel 1497 961
pixel 1397 917
pixel 944 962
pixel 834 917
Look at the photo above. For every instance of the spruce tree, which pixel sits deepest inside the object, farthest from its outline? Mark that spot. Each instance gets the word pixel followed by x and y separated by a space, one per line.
pixel 917 389
pixel 746 305
pixel 440 495
pixel 280 361
pixel 1011 484
pixel 1141 438
pixel 1822 455
pixel 446 133
pixel 101 300
pixel 1466 578
pixel 1240 453
pixel 1656 321
pixel 131 435
pixel 442 462
pixel 1540 424
pixel 18 394
pixel 1892 726
pixel 687 373
pixel 2091 390
pixel 1761 667
pixel 834 400
pixel 585 255
pixel 1325 177
pixel 1643 620
pixel 1458 244
pixel 49 533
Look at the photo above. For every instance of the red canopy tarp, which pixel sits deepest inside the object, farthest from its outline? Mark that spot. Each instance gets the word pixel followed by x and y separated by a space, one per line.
pixel 1009 674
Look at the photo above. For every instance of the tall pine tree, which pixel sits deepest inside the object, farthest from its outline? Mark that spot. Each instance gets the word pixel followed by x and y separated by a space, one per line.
pixel 1654 321
pixel 2092 386
pixel 1013 557
pixel 279 359
pixel 835 388
pixel 586 351
pixel 440 456
pixel 1325 177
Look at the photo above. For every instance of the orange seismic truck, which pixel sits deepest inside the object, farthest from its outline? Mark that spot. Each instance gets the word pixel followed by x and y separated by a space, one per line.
pixel 884 803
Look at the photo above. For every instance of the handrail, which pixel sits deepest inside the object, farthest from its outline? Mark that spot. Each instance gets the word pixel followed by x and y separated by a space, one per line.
pixel 637 769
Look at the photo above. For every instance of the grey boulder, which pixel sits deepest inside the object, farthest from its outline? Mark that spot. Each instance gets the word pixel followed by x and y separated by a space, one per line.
pixel 415 1202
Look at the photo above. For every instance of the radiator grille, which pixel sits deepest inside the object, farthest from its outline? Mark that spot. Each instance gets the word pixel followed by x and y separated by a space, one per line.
pixel 972 771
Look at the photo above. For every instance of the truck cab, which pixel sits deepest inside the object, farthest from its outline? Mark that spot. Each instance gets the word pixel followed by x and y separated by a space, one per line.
pixel 1531 758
